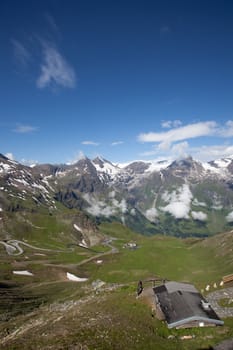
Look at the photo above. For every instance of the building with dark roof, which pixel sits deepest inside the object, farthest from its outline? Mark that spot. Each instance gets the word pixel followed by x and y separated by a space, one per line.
pixel 184 307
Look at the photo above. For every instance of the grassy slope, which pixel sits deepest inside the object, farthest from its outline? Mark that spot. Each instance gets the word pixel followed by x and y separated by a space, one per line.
pixel 61 314
pixel 167 257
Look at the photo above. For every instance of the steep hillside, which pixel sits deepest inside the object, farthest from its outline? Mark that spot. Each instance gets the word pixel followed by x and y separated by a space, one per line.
pixel 181 198
pixel 30 211
pixel 102 311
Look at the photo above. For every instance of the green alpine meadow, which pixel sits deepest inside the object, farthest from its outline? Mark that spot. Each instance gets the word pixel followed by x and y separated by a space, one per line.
pixel 75 243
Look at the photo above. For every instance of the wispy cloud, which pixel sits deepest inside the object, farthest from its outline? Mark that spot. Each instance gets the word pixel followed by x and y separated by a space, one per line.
pixel 167 124
pixel 212 152
pixel 90 143
pixel 117 143
pixel 190 131
pixel 29 162
pixel 52 23
pixel 43 52
pixel 78 156
pixel 24 129
pixel 180 149
pixel 9 155
pixel 226 130
pixel 55 70
pixel 174 142
pixel 102 208
pixel 21 54
pixel 183 149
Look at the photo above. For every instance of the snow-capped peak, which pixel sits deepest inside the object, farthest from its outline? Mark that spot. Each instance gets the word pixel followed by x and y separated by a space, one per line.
pixel 223 163
pixel 104 166
pixel 219 166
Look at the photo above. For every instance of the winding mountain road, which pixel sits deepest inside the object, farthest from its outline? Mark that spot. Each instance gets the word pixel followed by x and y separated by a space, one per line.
pixel 13 247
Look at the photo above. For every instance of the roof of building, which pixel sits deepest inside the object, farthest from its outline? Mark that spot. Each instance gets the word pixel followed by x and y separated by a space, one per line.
pixel 182 303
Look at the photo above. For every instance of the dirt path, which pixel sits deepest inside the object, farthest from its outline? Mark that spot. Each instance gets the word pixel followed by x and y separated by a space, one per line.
pixel 113 250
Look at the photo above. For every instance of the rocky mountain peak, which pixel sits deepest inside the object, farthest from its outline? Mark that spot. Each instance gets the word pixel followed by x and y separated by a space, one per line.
pixel 99 161
pixel 187 167
pixel 223 163
pixel 105 166
pixel 138 167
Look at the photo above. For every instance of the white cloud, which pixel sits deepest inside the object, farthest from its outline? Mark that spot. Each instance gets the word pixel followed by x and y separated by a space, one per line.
pixel 101 208
pixel 179 134
pixel 227 129
pixel 229 217
pixel 117 143
pixel 80 155
pixel 167 124
pixel 178 209
pixel 122 205
pixel 90 143
pixel 179 202
pixel 9 155
pixel 207 153
pixel 133 211
pixel 55 70
pixel 180 150
pixel 174 142
pixel 25 129
pixel 217 207
pixel 98 208
pixel 199 215
pixel 29 162
pixel 112 194
pixel 197 203
pixel 21 54
pixel 151 214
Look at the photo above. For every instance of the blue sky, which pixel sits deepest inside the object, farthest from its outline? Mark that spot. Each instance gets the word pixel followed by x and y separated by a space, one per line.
pixel 124 80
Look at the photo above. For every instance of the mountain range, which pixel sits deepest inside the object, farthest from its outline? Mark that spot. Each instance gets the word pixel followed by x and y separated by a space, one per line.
pixel 182 198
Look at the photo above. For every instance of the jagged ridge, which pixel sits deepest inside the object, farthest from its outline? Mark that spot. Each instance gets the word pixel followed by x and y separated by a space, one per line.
pixel 183 197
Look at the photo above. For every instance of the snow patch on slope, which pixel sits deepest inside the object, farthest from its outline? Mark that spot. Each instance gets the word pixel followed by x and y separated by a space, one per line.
pixel 23 273
pixel 74 278
pixel 158 165
pixel 223 163
pixel 103 166
pixel 77 228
